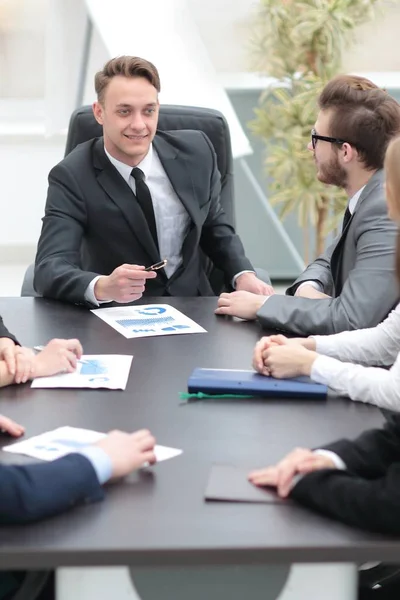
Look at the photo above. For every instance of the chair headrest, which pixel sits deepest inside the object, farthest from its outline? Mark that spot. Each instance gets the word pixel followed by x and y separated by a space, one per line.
pixel 83 126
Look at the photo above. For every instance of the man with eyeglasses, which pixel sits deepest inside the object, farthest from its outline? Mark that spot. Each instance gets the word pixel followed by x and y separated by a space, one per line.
pixel 352 284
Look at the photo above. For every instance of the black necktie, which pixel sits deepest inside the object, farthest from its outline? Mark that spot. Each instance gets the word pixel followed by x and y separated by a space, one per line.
pixel 346 218
pixel 145 202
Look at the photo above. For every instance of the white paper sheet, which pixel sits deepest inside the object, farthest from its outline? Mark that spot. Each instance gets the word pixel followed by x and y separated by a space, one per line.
pixel 147 320
pixel 109 371
pixel 64 440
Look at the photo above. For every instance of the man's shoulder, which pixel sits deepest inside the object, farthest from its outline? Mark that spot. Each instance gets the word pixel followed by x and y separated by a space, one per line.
pixel 181 135
pixel 184 139
pixel 374 191
pixel 80 157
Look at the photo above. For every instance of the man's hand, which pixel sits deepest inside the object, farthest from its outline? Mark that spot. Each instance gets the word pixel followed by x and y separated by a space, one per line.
pixel 19 360
pixel 128 451
pixel 287 361
pixel 59 356
pixel 7 353
pixel 299 461
pixel 276 340
pixel 308 291
pixel 11 427
pixel 125 284
pixel 240 304
pixel 249 282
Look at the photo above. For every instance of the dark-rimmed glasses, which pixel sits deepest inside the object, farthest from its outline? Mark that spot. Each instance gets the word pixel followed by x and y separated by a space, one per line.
pixel 315 137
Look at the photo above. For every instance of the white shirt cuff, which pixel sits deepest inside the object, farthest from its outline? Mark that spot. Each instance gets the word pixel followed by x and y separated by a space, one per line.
pixel 90 295
pixel 99 460
pixel 339 464
pixel 313 284
pixel 233 282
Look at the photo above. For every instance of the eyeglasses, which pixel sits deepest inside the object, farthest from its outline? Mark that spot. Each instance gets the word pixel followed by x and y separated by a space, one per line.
pixel 324 138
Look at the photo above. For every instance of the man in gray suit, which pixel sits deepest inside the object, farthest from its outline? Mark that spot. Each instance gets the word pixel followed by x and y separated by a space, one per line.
pixel 352 285
pixel 123 202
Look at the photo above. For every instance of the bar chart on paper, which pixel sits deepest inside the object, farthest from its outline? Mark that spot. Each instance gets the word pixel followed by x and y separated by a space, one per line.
pixel 92 371
pixel 148 320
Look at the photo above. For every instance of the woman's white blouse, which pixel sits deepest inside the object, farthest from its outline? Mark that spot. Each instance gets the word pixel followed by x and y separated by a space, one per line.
pixel 369 349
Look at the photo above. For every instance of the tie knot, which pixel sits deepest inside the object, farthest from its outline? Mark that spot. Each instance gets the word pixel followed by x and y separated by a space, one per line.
pixel 137 174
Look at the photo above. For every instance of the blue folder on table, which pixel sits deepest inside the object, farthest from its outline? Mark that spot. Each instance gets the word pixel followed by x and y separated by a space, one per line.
pixel 232 381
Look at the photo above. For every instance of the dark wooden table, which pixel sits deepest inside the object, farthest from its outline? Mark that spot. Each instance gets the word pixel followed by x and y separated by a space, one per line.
pixel 160 517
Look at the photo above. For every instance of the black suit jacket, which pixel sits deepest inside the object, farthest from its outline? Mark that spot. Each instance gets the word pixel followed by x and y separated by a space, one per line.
pixel 4 333
pixel 93 223
pixel 367 494
pixel 33 492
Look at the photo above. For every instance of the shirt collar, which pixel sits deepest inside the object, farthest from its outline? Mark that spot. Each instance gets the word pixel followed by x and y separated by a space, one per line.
pixel 126 170
pixel 354 199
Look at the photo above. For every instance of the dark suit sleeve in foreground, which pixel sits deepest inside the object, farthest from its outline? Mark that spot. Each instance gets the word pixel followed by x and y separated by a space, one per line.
pixel 367 494
pixel 372 453
pixel 4 333
pixel 32 492
pixel 373 505
pixel 218 239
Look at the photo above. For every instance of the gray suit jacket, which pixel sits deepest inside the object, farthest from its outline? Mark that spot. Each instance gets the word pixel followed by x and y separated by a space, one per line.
pixel 357 270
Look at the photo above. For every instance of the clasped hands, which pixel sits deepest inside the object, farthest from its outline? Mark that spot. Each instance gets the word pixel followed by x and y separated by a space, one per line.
pixel 284 357
pixel 58 356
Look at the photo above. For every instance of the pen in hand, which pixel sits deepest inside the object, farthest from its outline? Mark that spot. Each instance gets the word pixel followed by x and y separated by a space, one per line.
pixel 157 266
pixel 79 360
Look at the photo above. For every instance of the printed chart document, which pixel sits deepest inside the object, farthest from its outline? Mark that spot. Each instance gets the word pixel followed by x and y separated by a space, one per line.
pixel 148 320
pixel 109 371
pixel 64 440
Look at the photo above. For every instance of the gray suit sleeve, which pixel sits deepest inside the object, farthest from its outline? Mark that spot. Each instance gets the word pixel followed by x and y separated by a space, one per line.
pixel 319 271
pixel 58 272
pixel 368 294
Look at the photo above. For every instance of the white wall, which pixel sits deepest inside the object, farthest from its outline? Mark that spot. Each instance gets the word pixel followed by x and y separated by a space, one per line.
pixel 24 165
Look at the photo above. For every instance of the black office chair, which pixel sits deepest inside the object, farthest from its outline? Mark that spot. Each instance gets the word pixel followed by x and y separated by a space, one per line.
pixel 83 126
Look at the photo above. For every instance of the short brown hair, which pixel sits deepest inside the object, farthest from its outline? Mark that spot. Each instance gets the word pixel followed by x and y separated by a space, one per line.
pixel 127 66
pixel 363 115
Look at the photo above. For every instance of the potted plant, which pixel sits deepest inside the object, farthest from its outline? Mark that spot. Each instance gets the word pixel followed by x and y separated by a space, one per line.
pixel 300 44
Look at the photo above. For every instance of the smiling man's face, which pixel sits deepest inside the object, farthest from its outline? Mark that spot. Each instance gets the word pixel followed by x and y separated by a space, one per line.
pixel 129 115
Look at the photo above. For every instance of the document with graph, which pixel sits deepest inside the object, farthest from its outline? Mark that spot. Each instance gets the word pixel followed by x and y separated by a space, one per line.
pixel 148 320
pixel 109 371
pixel 64 440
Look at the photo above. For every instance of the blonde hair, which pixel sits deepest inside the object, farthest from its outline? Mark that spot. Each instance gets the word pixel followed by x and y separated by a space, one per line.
pixel 392 167
pixel 392 172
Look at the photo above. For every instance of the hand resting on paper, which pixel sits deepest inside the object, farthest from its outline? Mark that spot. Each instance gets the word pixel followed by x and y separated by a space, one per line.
pixel 298 462
pixel 128 451
pixel 58 356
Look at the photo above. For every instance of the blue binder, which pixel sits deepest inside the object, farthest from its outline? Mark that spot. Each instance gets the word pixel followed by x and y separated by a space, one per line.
pixel 232 381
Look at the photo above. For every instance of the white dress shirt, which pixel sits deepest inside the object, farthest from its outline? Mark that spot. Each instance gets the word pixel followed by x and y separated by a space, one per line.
pixel 370 349
pixel 172 219
pixel 352 207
